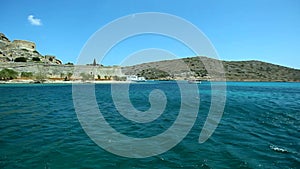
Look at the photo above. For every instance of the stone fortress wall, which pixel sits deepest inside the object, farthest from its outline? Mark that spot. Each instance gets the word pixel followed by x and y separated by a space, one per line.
pixel 48 66
pixel 61 71
pixel 52 59
pixel 10 51
pixel 22 44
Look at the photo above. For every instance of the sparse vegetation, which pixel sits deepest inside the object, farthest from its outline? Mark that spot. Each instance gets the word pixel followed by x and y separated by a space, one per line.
pixel 26 74
pixel 194 68
pixel 62 75
pixel 153 73
pixel 69 75
pixel 69 63
pixel 8 74
pixel 86 76
pixel 40 76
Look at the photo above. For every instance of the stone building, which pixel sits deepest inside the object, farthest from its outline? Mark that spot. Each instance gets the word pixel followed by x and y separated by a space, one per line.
pixel 52 59
pixel 22 44
pixel 17 50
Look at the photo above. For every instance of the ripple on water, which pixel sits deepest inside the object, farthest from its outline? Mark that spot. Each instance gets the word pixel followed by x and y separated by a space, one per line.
pixel 259 129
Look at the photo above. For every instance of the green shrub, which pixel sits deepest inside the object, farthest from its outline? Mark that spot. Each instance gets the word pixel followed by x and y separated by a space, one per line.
pixel 26 74
pixel 8 74
pixel 69 63
pixel 69 75
pixel 40 76
pixel 62 75
pixel 153 73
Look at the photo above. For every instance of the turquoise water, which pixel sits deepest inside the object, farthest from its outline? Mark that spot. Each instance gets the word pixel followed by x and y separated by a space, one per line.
pixel 259 128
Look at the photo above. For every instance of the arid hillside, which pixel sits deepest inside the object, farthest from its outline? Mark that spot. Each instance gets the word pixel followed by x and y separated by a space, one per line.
pixel 193 68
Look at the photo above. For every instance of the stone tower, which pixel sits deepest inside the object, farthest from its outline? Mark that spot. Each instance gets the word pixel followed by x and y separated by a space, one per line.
pixel 94 62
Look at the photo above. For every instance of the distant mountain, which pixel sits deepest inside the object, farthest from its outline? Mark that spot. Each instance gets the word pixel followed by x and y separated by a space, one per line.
pixel 193 68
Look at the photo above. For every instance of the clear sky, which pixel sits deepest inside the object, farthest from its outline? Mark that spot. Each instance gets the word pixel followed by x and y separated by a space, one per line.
pixel 266 30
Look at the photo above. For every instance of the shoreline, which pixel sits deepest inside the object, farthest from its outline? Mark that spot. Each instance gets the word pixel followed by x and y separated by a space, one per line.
pixel 31 81
pixel 16 81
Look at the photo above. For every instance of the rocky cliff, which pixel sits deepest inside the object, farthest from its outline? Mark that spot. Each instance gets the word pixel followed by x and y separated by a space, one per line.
pixel 22 51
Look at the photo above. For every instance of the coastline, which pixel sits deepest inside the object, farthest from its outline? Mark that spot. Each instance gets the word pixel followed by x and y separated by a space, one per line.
pixel 29 81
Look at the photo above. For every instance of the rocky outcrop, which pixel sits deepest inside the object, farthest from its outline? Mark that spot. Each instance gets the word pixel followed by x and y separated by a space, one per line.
pixel 22 51
pixel 3 38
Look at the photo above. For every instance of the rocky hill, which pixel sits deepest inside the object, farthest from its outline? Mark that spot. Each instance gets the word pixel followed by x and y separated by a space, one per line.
pixel 193 68
pixel 22 56
pixel 22 51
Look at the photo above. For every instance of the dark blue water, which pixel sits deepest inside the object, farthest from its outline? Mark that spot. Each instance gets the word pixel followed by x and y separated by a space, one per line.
pixel 260 128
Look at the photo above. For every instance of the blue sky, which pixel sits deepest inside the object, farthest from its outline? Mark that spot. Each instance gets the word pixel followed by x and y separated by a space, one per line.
pixel 266 30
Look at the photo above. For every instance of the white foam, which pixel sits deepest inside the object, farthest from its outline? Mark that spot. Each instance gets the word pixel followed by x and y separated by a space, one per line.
pixel 278 149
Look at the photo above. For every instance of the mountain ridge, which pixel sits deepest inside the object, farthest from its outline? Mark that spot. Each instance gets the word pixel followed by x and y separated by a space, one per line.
pixel 250 70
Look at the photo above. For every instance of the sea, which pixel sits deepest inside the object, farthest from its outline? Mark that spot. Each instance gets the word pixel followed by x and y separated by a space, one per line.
pixel 259 128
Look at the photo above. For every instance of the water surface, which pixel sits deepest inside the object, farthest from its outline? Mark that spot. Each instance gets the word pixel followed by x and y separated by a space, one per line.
pixel 259 128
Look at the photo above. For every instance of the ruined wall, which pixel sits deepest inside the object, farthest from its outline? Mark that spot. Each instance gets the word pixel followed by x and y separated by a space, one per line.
pixel 22 44
pixel 61 71
pixel 9 51
pixel 51 59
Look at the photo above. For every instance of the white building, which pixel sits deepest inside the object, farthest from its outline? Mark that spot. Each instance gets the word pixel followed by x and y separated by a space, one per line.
pixel 135 78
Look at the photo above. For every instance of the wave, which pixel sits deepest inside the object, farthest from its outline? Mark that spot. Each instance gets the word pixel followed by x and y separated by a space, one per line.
pixel 278 149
